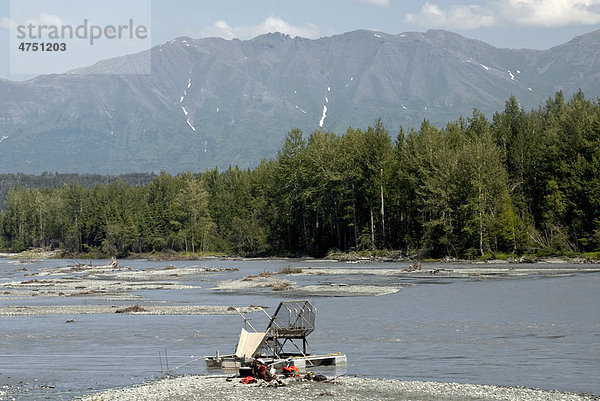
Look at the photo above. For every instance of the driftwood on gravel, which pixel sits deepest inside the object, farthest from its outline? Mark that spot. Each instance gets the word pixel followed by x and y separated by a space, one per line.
pixel 414 267
pixel 132 309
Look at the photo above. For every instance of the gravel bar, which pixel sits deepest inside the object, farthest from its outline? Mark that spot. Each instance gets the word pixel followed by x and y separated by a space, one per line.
pixel 189 388
pixel 146 310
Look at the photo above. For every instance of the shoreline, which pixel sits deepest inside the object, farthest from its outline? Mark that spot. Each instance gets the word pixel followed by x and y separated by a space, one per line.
pixel 101 289
pixel 350 257
pixel 90 287
pixel 195 387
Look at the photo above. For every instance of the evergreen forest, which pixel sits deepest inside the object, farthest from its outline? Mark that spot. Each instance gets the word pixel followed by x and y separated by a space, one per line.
pixel 520 183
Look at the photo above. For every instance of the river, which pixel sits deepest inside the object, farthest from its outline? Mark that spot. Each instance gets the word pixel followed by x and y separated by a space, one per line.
pixel 538 331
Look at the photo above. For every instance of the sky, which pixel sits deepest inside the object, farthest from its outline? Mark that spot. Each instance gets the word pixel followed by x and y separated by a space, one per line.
pixel 533 24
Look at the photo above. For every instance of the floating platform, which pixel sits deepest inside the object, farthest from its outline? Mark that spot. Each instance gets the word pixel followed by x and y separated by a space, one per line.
pixel 309 361
pixel 293 320
pixel 231 362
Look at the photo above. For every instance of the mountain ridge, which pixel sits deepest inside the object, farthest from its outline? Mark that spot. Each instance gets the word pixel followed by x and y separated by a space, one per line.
pixel 215 102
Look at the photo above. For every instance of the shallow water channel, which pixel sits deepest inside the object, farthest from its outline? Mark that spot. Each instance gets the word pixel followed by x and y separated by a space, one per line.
pixel 535 330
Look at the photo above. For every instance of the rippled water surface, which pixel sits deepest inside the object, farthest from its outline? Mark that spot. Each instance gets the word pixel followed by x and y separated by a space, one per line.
pixel 541 332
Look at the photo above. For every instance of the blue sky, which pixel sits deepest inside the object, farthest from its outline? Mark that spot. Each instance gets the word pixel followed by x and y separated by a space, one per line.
pixel 536 24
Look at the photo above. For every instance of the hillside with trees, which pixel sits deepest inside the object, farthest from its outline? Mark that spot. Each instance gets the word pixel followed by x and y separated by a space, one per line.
pixel 522 182
pixel 57 180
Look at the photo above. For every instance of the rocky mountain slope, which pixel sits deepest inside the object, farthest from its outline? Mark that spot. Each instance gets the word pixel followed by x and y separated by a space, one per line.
pixel 215 102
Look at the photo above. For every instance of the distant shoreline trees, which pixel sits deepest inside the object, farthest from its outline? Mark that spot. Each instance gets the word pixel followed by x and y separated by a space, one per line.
pixel 524 182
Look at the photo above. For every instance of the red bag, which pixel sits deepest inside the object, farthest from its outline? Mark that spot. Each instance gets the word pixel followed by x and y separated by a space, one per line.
pixel 289 371
pixel 248 380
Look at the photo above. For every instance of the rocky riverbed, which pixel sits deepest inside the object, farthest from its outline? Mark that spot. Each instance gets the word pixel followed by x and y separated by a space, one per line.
pixel 120 284
pixel 190 388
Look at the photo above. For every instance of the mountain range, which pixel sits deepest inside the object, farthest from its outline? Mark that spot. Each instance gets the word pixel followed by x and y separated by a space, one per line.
pixel 214 102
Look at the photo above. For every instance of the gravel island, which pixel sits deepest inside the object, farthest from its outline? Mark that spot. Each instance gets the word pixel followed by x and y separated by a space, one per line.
pixel 191 388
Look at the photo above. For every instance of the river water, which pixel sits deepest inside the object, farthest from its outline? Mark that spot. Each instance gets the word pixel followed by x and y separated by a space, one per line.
pixel 538 331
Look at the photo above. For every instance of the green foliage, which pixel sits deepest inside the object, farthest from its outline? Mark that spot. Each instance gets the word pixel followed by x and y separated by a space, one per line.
pixel 522 183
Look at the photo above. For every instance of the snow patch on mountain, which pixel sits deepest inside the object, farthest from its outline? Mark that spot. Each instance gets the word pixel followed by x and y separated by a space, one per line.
pixel 323 116
pixel 300 109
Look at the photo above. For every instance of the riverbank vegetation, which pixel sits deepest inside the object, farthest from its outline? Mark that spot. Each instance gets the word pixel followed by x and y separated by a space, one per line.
pixel 522 182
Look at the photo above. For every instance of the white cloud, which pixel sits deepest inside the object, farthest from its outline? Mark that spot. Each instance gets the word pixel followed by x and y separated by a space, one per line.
pixel 41 19
pixel 540 13
pixel 220 29
pixel 461 17
pixel 272 24
pixel 378 3
pixel 552 13
pixel 50 19
pixel 7 23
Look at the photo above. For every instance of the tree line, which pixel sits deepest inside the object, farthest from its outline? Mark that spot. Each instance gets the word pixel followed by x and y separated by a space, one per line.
pixel 522 182
pixel 57 180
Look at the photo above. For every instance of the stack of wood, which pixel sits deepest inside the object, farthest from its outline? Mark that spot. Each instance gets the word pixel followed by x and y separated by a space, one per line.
pixel 414 267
